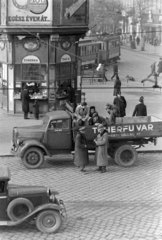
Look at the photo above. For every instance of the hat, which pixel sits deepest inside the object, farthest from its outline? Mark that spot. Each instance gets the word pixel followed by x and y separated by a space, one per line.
pixel 141 99
pixel 84 104
pixel 95 114
pixel 82 129
pixel 100 126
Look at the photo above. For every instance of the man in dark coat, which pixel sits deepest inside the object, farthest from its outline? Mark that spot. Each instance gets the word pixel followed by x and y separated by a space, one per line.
pixel 102 143
pixel 81 158
pixel 115 70
pixel 121 103
pixel 140 109
pixel 25 101
pixel 117 86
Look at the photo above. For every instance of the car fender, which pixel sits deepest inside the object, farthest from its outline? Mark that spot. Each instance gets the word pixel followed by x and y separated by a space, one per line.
pixel 38 209
pixel 32 143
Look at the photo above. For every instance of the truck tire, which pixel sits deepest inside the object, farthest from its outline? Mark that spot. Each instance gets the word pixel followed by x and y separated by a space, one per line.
pixel 33 158
pixel 48 221
pixel 125 156
pixel 19 208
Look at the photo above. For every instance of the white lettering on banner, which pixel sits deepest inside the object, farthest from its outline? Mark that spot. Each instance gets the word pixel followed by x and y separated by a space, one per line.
pixel 126 129
pixel 73 8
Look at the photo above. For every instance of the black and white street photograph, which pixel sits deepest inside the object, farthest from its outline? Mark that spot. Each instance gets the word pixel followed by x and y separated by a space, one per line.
pixel 81 120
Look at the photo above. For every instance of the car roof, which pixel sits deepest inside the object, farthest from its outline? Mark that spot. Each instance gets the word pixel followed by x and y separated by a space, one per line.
pixel 4 173
pixel 58 114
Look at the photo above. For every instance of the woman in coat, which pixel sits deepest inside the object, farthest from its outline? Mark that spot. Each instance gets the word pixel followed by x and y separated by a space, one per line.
pixel 102 144
pixel 81 158
pixel 117 86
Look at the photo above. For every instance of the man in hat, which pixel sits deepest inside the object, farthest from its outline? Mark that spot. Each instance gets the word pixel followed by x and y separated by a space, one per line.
pixel 153 69
pixel 82 113
pixel 25 100
pixel 81 158
pixel 121 103
pixel 102 143
pixel 140 109
pixel 115 70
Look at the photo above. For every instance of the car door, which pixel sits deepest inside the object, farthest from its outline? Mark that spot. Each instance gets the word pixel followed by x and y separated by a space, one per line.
pixel 3 201
pixel 59 135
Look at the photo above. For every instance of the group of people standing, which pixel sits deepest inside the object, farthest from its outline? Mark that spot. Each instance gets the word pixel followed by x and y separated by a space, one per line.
pixel 81 158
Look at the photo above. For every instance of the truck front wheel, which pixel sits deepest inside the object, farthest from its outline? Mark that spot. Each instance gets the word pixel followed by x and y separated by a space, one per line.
pixel 33 158
pixel 125 156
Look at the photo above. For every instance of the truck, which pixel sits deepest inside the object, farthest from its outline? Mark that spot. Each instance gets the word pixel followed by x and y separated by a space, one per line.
pixel 56 135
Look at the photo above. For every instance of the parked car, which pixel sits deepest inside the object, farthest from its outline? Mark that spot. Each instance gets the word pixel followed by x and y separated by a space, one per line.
pixel 21 203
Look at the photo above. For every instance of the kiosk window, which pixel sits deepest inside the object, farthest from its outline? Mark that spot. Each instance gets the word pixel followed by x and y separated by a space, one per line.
pixel 59 124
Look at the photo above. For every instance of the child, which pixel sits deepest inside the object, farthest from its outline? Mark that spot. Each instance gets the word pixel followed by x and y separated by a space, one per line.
pixel 36 109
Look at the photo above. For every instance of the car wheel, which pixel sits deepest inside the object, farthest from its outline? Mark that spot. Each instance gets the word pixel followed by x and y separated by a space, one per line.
pixel 19 208
pixel 33 158
pixel 48 221
pixel 125 156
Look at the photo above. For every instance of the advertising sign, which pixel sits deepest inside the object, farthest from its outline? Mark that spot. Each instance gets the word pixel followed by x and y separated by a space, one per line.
pixel 74 12
pixel 29 12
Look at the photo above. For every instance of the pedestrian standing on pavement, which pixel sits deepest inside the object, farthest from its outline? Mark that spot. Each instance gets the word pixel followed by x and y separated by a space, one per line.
pixel 25 101
pixel 138 40
pixel 36 109
pixel 159 67
pixel 115 70
pixel 153 70
pixel 117 86
pixel 140 109
pixel 121 103
pixel 81 158
pixel 102 143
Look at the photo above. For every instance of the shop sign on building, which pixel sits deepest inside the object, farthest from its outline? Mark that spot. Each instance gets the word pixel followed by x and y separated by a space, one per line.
pixel 66 58
pixel 29 12
pixel 31 59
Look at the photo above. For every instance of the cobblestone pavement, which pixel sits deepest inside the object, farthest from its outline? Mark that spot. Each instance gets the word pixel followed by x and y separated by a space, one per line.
pixel 123 203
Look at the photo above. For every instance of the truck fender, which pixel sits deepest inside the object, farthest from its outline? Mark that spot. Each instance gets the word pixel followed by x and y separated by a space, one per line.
pixel 32 143
pixel 38 209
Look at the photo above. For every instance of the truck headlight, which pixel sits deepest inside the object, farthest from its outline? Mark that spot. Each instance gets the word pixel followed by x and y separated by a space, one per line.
pixel 52 198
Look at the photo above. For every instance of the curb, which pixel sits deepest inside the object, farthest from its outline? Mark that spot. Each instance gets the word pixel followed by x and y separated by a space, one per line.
pixel 141 52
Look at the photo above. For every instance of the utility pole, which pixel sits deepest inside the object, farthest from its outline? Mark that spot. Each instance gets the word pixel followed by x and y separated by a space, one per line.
pixel 133 45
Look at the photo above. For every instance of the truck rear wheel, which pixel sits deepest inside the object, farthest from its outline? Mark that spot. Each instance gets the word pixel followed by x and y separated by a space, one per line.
pixel 125 156
pixel 33 158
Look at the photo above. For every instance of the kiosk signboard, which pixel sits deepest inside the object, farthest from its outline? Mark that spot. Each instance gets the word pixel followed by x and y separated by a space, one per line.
pixel 29 12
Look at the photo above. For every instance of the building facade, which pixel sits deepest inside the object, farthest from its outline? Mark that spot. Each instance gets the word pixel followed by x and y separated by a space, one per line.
pixel 39 48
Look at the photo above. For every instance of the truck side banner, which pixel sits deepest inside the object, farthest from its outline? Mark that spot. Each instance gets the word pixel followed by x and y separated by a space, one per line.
pixel 129 130
pixel 29 12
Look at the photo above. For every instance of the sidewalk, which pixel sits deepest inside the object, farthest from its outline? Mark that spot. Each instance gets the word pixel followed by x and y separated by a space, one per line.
pixel 149 49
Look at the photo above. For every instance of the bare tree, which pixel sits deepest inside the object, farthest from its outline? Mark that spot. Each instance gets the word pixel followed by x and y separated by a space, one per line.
pixel 142 8
pixel 106 14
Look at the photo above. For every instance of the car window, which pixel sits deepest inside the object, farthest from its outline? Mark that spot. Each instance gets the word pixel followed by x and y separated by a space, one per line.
pixel 59 124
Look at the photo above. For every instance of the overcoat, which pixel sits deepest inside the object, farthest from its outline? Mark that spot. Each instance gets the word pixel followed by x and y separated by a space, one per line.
pixel 140 110
pixel 101 156
pixel 121 103
pixel 159 67
pixel 117 87
pixel 25 100
pixel 81 158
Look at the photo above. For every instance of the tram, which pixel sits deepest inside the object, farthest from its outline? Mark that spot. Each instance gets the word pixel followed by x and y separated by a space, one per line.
pixel 94 51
